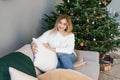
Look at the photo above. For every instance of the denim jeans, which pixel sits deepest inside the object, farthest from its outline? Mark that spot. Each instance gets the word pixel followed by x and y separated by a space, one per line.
pixel 66 60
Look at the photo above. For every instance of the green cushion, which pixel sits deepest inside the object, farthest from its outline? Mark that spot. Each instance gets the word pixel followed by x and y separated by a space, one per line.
pixel 16 60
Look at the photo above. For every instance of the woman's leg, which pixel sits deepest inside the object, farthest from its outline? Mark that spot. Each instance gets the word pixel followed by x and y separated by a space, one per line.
pixel 66 60
pixel 59 65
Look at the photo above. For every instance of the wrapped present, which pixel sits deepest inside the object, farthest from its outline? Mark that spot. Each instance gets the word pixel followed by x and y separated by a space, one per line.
pixel 105 67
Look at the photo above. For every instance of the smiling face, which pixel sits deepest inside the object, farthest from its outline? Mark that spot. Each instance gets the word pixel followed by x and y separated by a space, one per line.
pixel 62 25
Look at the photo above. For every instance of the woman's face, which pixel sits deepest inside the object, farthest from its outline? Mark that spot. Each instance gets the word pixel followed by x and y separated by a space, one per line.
pixel 62 25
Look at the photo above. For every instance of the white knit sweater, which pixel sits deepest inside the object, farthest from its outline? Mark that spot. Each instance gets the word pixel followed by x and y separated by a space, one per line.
pixel 62 44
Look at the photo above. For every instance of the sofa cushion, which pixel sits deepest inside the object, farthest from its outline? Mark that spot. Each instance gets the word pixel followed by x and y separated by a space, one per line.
pixel 45 59
pixel 18 75
pixel 63 74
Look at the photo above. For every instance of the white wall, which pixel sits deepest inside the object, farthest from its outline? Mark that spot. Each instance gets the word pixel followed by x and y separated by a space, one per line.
pixel 115 4
pixel 115 7
pixel 20 20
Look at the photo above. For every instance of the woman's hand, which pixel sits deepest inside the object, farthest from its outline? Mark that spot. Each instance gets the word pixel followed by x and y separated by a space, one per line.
pixel 49 47
pixel 34 48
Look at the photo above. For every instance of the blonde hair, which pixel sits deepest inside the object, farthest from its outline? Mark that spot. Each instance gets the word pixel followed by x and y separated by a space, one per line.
pixel 69 23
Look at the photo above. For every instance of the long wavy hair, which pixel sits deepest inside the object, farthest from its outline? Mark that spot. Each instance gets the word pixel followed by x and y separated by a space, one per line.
pixel 69 24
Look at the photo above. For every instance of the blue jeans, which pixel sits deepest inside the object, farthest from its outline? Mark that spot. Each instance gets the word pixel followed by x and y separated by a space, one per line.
pixel 66 60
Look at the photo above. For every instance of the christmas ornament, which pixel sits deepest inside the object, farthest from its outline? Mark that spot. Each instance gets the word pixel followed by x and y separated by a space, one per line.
pixel 81 44
pixel 105 3
pixel 98 17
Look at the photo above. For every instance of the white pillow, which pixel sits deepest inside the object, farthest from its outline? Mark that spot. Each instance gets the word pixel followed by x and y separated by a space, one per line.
pixel 45 59
pixel 18 75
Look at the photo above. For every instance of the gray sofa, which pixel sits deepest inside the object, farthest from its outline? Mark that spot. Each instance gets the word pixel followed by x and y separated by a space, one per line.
pixel 91 57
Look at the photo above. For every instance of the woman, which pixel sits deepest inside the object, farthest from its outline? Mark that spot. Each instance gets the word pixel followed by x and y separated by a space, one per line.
pixel 60 40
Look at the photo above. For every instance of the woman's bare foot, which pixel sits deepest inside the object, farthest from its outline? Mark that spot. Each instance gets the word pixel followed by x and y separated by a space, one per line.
pixel 80 64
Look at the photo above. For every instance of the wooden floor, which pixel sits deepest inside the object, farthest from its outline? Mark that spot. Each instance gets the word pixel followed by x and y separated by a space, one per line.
pixel 113 74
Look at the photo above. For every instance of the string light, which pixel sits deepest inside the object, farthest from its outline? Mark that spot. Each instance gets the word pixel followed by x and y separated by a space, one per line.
pixel 94 39
pixel 93 22
pixel 68 1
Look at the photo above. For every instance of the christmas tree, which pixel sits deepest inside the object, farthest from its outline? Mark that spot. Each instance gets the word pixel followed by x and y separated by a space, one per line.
pixel 93 26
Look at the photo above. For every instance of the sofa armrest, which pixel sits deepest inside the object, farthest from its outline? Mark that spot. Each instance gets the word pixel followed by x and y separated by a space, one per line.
pixel 92 67
pixel 26 49
pixel 89 55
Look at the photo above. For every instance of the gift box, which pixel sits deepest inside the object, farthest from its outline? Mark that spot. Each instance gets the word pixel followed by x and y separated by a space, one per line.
pixel 105 67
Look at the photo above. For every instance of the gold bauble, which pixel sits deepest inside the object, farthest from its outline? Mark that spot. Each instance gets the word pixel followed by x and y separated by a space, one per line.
pixel 81 44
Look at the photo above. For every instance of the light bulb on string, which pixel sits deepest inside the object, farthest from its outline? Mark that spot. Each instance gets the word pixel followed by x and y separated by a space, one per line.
pixel 93 22
pixel 68 1
pixel 94 39
pixel 94 11
pixel 88 20
pixel 99 3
